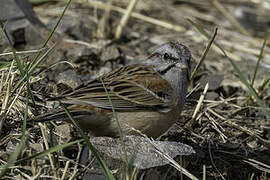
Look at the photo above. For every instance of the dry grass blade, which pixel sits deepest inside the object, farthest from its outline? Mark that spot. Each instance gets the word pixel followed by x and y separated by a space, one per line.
pixel 204 54
pixel 124 20
pixel 259 165
pixel 249 132
pixel 20 65
pixel 204 172
pixel 217 127
pixel 17 104
pixel 157 22
pixel 43 129
pixel 31 70
pixel 11 105
pixel 173 162
pixel 65 170
pixel 199 105
pixel 6 91
pixel 103 22
pixel 22 52
pixel 19 147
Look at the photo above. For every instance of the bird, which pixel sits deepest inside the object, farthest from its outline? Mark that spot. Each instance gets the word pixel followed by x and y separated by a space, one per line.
pixel 147 97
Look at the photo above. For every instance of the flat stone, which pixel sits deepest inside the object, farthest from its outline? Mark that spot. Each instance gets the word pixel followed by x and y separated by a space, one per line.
pixel 110 53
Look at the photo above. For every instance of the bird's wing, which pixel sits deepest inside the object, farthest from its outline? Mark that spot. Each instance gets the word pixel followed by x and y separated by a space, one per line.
pixel 132 87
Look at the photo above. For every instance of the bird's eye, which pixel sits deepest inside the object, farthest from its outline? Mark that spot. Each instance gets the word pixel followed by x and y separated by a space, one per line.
pixel 166 56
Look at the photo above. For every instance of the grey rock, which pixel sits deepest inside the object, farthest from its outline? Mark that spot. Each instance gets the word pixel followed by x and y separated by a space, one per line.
pixel 17 22
pixel 110 53
pixel 69 78
pixel 141 151
pixel 214 81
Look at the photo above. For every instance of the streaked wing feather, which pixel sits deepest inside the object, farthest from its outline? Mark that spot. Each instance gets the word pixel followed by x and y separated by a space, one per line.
pixel 131 87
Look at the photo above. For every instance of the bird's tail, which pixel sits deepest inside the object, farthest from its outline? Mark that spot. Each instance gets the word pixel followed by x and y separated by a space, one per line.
pixel 58 116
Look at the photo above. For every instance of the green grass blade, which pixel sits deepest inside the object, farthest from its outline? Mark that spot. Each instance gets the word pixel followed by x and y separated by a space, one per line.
pixel 48 151
pixel 118 124
pixel 38 1
pixel 52 32
pixel 22 69
pixel 4 65
pixel 266 83
pixel 257 64
pixel 31 70
pixel 206 34
pixel 260 58
pixel 17 59
pixel 13 157
pixel 107 171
